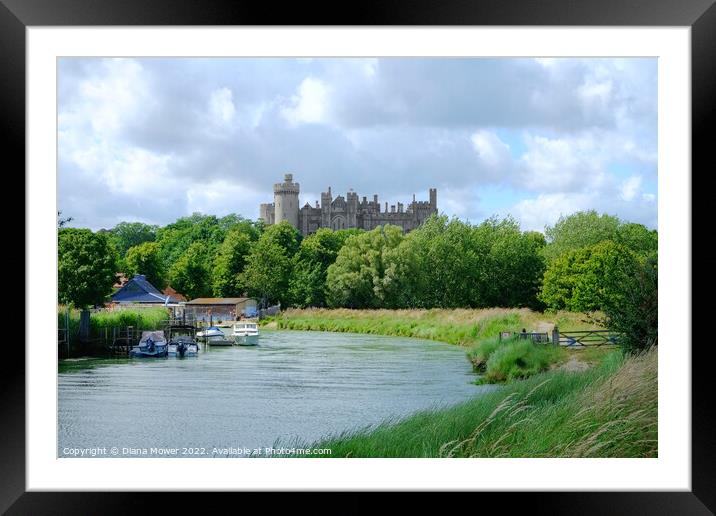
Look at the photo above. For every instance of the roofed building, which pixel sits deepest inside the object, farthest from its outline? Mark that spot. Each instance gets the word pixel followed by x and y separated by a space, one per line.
pixel 220 308
pixel 139 291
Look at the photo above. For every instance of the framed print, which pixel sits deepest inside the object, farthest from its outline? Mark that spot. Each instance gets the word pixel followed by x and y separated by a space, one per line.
pixel 424 243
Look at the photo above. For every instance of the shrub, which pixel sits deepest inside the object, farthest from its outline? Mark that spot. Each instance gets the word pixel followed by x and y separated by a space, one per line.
pixel 479 354
pixel 519 359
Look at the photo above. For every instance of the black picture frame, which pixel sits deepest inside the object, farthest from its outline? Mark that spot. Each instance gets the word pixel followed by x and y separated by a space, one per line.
pixel 700 15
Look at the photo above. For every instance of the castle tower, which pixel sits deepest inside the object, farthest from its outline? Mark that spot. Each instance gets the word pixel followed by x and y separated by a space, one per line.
pixel 285 199
pixel 434 199
pixel 326 200
pixel 352 209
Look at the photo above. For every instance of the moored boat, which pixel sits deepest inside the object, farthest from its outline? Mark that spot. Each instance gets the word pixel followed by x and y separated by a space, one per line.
pixel 153 344
pixel 182 342
pixel 246 333
pixel 213 336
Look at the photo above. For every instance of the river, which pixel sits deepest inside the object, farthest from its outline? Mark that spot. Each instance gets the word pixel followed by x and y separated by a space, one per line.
pixel 293 386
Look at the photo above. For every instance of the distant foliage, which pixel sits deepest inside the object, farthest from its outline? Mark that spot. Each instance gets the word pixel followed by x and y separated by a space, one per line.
pixel 229 263
pixel 444 263
pixel 268 265
pixel 190 275
pixel 126 235
pixel 589 278
pixel 307 283
pixel 360 276
pixel 585 261
pixel 587 228
pixel 86 267
pixel 146 259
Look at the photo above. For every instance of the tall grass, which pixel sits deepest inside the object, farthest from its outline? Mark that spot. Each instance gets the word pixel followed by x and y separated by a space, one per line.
pixel 520 358
pixel 463 327
pixel 606 411
pixel 140 318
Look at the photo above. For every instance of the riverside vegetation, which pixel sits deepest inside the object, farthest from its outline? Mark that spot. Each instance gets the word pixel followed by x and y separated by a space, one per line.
pixel 441 282
pixel 607 411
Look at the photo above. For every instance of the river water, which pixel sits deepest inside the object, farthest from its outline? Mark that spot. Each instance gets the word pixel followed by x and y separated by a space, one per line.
pixel 295 387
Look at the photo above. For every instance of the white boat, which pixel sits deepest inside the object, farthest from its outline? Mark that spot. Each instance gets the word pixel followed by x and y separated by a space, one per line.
pixel 213 336
pixel 151 345
pixel 246 333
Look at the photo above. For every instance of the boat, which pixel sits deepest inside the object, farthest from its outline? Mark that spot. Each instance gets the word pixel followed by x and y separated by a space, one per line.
pixel 153 344
pixel 246 333
pixel 213 336
pixel 182 341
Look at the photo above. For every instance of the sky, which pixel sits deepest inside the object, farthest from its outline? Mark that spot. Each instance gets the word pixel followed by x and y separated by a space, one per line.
pixel 155 139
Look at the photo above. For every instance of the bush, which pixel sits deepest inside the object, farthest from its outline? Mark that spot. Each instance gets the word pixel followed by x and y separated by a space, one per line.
pixel 480 354
pixel 634 313
pixel 517 359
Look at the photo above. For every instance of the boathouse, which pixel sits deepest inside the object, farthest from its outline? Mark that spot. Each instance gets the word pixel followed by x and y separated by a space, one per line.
pixel 219 309
pixel 138 291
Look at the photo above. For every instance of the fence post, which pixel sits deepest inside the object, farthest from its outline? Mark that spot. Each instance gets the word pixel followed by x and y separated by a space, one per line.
pixel 84 325
pixel 555 336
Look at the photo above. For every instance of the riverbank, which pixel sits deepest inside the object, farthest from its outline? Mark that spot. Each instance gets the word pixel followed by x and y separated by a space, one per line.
pixel 477 330
pixel 607 411
pixel 463 327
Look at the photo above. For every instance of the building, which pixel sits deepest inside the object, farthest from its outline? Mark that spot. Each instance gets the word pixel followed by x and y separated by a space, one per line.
pixel 138 291
pixel 218 309
pixel 342 212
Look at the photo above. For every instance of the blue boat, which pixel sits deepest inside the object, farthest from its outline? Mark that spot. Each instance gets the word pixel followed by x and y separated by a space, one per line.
pixel 151 345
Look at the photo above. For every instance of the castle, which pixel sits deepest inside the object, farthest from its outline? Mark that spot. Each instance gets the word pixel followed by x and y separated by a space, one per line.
pixel 341 212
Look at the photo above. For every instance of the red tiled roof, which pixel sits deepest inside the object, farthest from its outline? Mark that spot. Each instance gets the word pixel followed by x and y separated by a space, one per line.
pixel 169 291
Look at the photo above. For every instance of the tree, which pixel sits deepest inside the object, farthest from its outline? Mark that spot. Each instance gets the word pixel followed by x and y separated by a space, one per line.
pixel 229 262
pixel 146 259
pixel 634 312
pixel 189 273
pixel 267 271
pixel 357 279
pixel 580 229
pixel 126 235
pixel 589 278
pixel 307 284
pixel 516 267
pixel 638 238
pixel 284 235
pixel 86 267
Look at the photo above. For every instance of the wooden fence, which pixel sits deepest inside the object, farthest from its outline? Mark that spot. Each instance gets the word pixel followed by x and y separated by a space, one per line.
pixel 569 338
pixel 585 338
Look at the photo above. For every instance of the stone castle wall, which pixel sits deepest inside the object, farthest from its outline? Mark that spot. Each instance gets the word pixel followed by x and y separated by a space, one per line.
pixel 342 212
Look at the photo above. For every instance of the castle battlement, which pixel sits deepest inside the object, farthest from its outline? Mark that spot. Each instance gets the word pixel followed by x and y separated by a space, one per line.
pixel 342 212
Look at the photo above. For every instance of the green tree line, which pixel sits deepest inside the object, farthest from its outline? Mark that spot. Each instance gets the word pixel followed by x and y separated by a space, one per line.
pixel 585 262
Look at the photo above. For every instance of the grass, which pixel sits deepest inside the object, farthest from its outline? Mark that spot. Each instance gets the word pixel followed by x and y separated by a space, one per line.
pixel 516 359
pixel 607 411
pixel 139 318
pixel 463 327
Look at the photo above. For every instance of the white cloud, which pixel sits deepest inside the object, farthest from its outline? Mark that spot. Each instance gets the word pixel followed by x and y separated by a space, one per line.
pixel 221 106
pixel 630 188
pixel 309 105
pixel 155 139
pixel 492 151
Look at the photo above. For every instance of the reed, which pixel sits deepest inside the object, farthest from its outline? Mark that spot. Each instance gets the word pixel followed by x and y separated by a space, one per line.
pixel 607 411
pixel 463 327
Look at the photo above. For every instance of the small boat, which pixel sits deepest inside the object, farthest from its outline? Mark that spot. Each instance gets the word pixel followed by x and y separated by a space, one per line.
pixel 213 336
pixel 151 345
pixel 246 333
pixel 182 342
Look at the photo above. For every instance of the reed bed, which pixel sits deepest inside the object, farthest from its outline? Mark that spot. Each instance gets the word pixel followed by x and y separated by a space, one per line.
pixel 607 411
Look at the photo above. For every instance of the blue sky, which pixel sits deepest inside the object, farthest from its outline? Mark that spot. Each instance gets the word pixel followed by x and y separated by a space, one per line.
pixel 152 140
